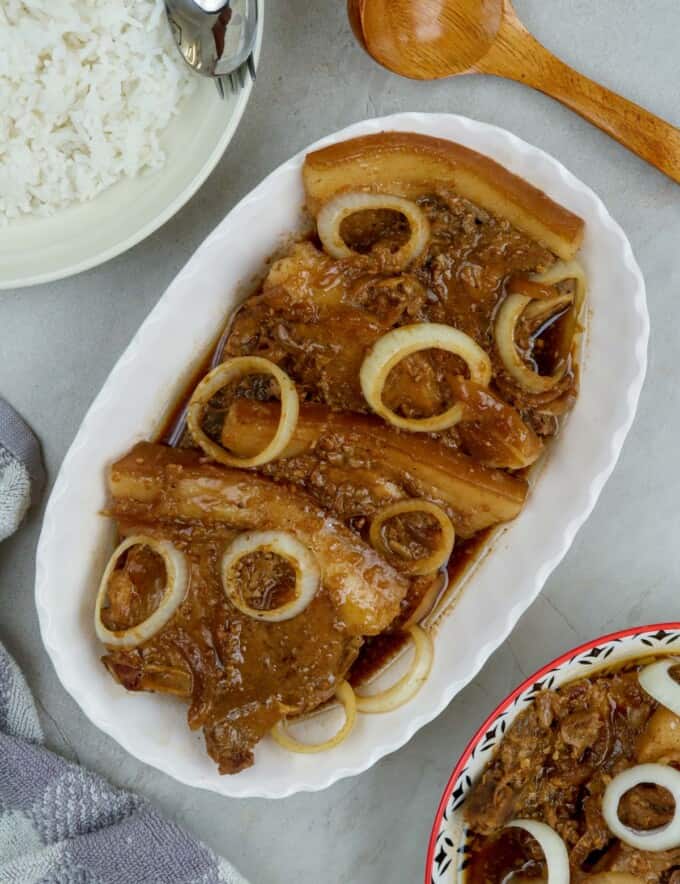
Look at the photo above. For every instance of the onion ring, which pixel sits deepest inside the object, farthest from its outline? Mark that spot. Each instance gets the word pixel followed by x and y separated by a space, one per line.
pixel 345 695
pixel 436 559
pixel 342 206
pixel 426 605
pixel 561 271
pixel 288 547
pixel 396 345
pixel 409 684
pixel 657 681
pixel 218 378
pixel 553 847
pixel 504 333
pixel 177 582
pixel 665 837
pixel 539 310
pixel 516 305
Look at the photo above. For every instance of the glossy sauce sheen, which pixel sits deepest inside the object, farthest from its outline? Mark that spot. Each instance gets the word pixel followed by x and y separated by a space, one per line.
pixel 454 268
pixel 316 317
pixel 380 650
pixel 553 765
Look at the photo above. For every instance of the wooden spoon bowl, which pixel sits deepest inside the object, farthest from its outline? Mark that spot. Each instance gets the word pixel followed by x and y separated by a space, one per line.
pixel 431 39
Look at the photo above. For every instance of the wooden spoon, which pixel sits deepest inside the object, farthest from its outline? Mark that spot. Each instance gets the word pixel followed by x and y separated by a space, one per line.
pixel 430 39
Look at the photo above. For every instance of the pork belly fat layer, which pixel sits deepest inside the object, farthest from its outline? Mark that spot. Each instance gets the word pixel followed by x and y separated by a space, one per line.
pixel 163 484
pixel 381 463
pixel 408 164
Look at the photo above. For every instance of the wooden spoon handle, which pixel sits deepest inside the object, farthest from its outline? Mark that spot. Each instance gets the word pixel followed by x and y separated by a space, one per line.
pixel 517 55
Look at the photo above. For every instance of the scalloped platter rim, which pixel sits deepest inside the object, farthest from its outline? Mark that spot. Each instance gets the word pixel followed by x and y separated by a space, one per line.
pixel 159 362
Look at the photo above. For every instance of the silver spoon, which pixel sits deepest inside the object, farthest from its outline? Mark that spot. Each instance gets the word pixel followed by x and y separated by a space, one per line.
pixel 215 37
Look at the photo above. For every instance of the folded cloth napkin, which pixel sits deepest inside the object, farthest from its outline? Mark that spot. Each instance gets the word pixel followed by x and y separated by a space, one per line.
pixel 21 470
pixel 60 824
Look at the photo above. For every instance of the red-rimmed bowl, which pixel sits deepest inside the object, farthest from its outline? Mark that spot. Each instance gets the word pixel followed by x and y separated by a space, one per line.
pixel 446 856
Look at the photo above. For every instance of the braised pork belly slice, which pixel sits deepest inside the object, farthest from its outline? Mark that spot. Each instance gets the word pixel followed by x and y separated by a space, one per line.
pixel 305 322
pixel 354 465
pixel 317 317
pixel 413 165
pixel 240 675
pixel 554 765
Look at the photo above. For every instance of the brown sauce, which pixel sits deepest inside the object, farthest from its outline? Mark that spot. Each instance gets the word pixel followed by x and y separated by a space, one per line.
pixel 363 231
pixel 377 651
pixel 316 317
pixel 380 650
pixel 554 764
pixel 410 536
pixel 464 554
pixel 176 413
pixel 135 589
pixel 266 580
pixel 548 346
pixel 502 860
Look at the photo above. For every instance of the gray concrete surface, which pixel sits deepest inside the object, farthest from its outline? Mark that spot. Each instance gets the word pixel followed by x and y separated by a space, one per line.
pixel 59 341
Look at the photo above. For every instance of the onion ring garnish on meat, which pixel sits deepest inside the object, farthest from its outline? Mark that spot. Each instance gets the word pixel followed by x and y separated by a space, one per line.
pixel 409 684
pixel 553 847
pixel 561 271
pixel 175 590
pixel 216 380
pixel 331 216
pixel 663 838
pixel 537 309
pixel 513 307
pixel 437 557
pixel 396 345
pixel 287 547
pixel 426 605
pixel 345 695
pixel 659 684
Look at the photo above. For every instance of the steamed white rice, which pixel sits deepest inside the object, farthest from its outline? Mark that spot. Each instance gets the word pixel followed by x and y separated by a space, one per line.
pixel 86 89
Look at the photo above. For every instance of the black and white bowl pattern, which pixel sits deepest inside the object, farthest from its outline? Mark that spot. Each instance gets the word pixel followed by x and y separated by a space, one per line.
pixel 447 855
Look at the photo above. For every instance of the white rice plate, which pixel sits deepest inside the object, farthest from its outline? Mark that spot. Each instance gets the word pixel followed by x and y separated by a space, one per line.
pixel 86 89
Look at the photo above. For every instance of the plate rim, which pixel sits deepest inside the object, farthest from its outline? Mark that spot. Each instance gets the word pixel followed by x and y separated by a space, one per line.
pixel 534 582
pixel 562 661
pixel 173 207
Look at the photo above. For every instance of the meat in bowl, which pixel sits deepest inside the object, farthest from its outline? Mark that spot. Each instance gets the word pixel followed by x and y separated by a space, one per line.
pixel 369 414
pixel 584 784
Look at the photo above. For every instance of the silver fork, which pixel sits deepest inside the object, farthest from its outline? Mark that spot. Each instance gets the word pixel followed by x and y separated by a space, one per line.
pixel 237 78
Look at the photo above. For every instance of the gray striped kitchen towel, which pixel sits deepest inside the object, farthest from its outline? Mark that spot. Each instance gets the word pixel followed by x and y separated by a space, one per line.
pixel 61 824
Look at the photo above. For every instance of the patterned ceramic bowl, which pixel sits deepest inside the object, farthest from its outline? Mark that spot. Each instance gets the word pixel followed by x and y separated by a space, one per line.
pixel 446 855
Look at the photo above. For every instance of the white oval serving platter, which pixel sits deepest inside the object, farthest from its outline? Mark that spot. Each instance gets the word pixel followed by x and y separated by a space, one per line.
pixel 153 371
